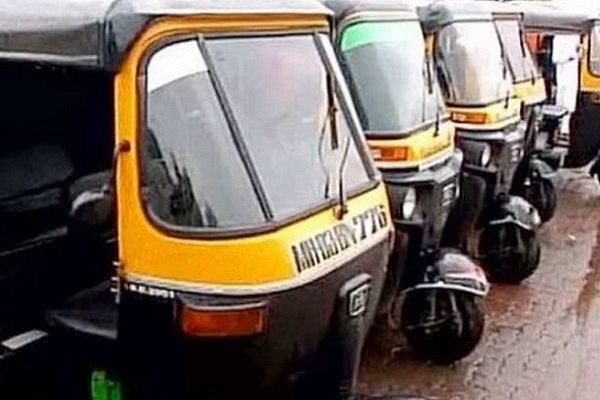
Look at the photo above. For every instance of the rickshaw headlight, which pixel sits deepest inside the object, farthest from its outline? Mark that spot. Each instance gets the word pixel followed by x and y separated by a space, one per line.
pixel 485 156
pixel 409 204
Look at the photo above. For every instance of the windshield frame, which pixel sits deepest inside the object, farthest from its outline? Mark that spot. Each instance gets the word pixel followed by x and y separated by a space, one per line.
pixel 463 103
pixel 270 223
pixel 365 17
pixel 526 59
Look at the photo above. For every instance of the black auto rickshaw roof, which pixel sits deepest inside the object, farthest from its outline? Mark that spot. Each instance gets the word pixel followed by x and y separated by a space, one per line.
pixel 345 8
pixel 97 33
pixel 552 15
pixel 437 14
pixel 500 7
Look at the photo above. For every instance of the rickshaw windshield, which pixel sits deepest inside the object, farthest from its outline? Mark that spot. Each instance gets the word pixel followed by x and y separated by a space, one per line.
pixel 386 67
pixel 238 132
pixel 594 62
pixel 519 57
pixel 470 61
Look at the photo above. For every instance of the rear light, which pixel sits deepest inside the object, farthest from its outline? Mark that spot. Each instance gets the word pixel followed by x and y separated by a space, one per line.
pixel 224 321
pixel 400 153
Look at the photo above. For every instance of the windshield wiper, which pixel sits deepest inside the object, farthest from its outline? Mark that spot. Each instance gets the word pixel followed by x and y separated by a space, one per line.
pixel 342 208
pixel 326 119
pixel 425 90
pixel 441 65
pixel 505 62
pixel 430 89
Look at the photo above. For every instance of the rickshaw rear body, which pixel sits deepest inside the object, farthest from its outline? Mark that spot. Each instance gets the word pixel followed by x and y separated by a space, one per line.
pixel 218 273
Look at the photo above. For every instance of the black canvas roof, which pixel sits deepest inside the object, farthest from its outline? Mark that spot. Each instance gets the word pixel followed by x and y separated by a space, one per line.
pixel 343 8
pixel 500 7
pixel 555 16
pixel 438 14
pixel 96 33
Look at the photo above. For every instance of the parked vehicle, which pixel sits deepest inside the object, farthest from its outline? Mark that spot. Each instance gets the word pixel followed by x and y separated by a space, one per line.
pixel 537 172
pixel 490 222
pixel 542 22
pixel 205 158
pixel 390 73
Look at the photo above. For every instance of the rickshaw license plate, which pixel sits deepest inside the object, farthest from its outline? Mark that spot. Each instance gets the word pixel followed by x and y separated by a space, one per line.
pixel 358 300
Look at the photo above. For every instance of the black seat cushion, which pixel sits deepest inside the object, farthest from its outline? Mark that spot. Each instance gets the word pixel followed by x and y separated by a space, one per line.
pixel 91 312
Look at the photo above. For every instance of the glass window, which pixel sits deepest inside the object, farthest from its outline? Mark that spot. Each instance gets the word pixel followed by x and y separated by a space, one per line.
pixel 470 59
pixel 386 66
pixel 193 175
pixel 595 50
pixel 276 90
pixel 519 57
pixel 277 87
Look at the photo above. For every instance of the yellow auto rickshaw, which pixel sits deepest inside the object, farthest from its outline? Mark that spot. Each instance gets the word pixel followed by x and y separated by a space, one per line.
pixel 390 74
pixel 544 21
pixel 494 225
pixel 534 179
pixel 189 208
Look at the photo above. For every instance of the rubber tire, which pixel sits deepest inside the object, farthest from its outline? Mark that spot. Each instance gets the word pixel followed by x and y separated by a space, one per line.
pixel 445 347
pixel 516 267
pixel 546 213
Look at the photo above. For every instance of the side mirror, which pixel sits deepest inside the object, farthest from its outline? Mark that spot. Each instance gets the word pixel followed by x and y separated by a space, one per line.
pixel 91 210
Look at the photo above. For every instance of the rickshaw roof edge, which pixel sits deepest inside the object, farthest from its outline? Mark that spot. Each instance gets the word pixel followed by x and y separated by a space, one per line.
pixel 439 13
pixel 555 15
pixel 500 7
pixel 345 8
pixel 97 33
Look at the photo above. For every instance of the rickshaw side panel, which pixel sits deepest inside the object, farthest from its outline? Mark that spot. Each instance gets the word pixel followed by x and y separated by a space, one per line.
pixel 292 350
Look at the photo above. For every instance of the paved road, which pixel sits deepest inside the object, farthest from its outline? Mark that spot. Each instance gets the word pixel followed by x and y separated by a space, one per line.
pixel 542 338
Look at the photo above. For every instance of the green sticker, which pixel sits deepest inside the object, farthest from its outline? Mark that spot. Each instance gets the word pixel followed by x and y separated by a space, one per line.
pixel 104 388
pixel 371 32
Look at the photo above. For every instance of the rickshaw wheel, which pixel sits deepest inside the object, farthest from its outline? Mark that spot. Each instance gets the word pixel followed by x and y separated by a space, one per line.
pixel 542 195
pixel 442 325
pixel 510 253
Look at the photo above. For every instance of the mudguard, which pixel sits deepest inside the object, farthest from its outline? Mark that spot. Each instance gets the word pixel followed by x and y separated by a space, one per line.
pixel 516 210
pixel 453 270
pixel 595 169
pixel 540 169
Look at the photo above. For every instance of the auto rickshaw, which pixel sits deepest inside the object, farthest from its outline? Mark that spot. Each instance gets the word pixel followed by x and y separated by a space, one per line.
pixel 497 227
pixel 187 210
pixel 534 179
pixel 543 20
pixel 390 74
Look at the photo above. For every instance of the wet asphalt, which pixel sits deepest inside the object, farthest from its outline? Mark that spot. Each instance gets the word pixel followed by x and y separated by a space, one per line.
pixel 542 337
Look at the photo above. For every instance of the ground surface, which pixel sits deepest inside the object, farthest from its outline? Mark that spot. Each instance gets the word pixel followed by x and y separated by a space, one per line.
pixel 542 338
